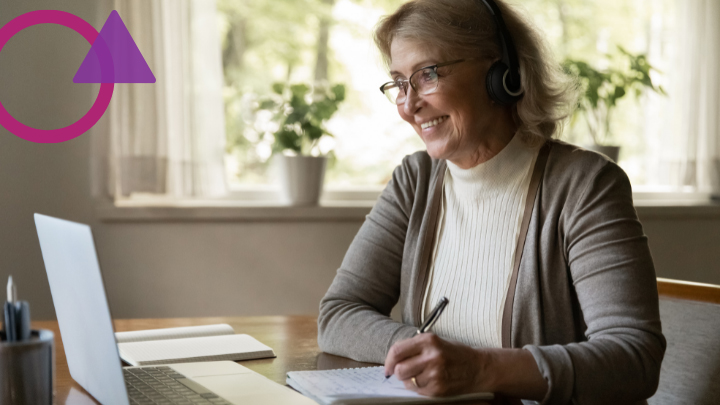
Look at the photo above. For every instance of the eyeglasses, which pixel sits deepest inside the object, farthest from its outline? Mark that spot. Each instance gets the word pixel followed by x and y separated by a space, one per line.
pixel 423 81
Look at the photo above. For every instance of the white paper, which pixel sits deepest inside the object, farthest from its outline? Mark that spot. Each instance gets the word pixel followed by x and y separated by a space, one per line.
pixel 352 382
pixel 212 348
pixel 174 333
pixel 366 385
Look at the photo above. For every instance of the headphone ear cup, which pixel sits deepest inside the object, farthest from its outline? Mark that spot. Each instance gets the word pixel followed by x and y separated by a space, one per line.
pixel 494 84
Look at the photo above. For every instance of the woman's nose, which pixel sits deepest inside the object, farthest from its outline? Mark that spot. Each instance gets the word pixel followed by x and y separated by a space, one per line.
pixel 412 101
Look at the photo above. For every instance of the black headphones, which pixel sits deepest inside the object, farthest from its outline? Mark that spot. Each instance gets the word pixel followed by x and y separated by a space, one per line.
pixel 503 78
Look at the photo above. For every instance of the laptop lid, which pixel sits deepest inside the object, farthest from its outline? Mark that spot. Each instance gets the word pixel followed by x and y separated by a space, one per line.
pixel 81 306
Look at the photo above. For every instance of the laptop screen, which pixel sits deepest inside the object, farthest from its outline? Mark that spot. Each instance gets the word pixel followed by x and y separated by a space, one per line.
pixel 81 306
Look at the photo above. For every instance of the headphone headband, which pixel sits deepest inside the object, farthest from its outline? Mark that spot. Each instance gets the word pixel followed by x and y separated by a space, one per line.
pixel 510 78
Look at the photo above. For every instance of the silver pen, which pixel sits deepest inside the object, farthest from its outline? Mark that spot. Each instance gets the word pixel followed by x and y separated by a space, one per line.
pixel 11 291
pixel 9 312
pixel 17 316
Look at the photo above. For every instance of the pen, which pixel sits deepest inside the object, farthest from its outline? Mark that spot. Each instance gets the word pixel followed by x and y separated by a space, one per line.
pixel 434 315
pixel 9 310
pixel 430 321
pixel 22 321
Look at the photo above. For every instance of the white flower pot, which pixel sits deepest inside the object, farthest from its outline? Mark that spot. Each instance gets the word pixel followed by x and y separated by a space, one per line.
pixel 613 152
pixel 301 179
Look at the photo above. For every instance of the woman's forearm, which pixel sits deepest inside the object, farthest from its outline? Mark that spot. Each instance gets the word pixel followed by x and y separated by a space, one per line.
pixel 515 373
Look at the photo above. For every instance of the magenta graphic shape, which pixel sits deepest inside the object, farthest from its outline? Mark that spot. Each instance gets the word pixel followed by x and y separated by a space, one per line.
pixel 128 64
pixel 102 101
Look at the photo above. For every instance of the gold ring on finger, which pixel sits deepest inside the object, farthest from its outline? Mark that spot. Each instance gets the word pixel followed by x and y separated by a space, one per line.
pixel 415 382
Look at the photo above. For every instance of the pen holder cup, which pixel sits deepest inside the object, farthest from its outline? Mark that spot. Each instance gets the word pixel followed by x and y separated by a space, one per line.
pixel 27 369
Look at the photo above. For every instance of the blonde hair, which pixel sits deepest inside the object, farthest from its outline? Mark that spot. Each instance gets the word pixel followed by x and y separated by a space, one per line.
pixel 464 29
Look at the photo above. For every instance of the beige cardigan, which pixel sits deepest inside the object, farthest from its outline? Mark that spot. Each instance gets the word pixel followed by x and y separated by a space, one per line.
pixel 585 300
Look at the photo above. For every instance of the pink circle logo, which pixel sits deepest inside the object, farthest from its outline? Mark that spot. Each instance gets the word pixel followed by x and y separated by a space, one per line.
pixel 99 66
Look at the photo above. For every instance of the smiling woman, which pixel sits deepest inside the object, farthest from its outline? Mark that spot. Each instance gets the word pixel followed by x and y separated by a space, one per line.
pixel 535 242
pixel 548 94
pixel 447 118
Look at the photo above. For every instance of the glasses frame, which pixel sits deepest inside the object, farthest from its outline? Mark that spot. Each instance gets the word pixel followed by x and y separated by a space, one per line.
pixel 403 84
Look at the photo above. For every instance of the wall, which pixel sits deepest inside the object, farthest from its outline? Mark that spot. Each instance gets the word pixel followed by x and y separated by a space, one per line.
pixel 166 269
pixel 685 248
pixel 36 70
pixel 156 269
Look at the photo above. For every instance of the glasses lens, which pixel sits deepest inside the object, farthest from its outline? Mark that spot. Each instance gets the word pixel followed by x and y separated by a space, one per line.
pixel 425 81
pixel 393 93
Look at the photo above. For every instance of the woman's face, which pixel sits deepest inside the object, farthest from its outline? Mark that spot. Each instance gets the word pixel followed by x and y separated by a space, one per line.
pixel 466 116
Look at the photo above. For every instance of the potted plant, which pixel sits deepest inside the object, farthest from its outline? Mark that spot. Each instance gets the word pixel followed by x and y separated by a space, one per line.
pixel 601 90
pixel 300 113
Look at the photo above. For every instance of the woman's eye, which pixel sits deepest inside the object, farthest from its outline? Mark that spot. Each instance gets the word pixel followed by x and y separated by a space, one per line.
pixel 427 76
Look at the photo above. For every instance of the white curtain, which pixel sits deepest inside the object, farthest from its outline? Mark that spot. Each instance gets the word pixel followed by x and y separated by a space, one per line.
pixel 689 130
pixel 701 113
pixel 169 137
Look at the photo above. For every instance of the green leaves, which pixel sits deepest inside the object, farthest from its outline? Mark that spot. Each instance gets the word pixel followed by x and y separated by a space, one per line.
pixel 338 92
pixel 313 132
pixel 601 89
pixel 301 112
pixel 299 90
pixel 286 138
pixel 278 88
pixel 267 104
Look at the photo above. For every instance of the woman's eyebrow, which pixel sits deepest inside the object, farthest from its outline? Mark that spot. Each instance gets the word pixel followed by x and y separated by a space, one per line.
pixel 426 62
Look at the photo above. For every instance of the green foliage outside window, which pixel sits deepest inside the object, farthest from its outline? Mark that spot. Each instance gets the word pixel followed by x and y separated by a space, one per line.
pixel 602 89
pixel 266 41
pixel 301 115
pixel 296 41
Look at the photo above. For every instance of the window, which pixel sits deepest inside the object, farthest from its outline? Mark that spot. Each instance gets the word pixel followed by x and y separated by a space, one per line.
pixel 269 41
pixel 283 40
pixel 593 31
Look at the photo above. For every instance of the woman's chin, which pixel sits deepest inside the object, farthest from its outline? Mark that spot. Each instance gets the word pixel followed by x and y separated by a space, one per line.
pixel 436 151
pixel 436 142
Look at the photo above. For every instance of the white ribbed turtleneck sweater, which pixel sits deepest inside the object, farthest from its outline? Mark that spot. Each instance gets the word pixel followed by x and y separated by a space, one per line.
pixel 478 229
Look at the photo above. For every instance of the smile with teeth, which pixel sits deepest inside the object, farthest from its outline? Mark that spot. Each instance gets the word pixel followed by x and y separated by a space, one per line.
pixel 433 122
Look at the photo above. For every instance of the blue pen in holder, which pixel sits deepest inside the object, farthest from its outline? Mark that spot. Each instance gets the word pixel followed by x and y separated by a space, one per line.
pixel 27 369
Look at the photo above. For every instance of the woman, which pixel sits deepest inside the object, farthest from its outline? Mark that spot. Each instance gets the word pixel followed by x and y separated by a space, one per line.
pixel 535 242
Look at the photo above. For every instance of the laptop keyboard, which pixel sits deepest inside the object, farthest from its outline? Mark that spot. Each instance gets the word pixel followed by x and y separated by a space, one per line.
pixel 163 385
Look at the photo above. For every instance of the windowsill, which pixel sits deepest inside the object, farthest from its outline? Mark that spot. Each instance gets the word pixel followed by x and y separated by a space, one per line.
pixel 333 211
pixel 233 210
pixel 677 210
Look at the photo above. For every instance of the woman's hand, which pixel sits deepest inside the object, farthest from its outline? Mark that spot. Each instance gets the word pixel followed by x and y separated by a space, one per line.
pixel 440 367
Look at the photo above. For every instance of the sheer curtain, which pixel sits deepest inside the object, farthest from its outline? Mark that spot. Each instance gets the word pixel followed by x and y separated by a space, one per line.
pixel 169 137
pixel 689 149
pixel 700 27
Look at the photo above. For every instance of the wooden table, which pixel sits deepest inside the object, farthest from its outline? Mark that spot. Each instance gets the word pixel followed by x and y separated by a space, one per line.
pixel 294 339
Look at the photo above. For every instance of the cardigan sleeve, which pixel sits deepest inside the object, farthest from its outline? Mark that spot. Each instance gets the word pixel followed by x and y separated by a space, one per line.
pixel 354 318
pixel 614 278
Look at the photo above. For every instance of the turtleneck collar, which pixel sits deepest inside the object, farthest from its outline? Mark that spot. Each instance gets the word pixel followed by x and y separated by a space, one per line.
pixel 494 176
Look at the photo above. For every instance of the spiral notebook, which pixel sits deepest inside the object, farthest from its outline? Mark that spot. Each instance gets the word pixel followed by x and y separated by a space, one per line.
pixel 368 385
pixel 188 344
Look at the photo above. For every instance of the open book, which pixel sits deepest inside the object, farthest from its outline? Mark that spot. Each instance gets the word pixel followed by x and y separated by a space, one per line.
pixel 366 385
pixel 188 344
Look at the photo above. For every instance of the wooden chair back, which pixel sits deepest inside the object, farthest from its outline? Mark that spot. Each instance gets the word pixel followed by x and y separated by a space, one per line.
pixel 690 317
pixel 686 290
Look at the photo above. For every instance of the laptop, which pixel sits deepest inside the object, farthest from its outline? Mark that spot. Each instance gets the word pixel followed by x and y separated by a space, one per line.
pixel 92 355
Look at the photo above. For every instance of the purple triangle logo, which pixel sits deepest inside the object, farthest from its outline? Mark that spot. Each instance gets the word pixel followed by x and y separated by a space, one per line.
pixel 114 57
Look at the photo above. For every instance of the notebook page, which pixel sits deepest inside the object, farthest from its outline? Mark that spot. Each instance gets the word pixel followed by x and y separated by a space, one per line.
pixel 367 382
pixel 212 348
pixel 364 386
pixel 174 333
